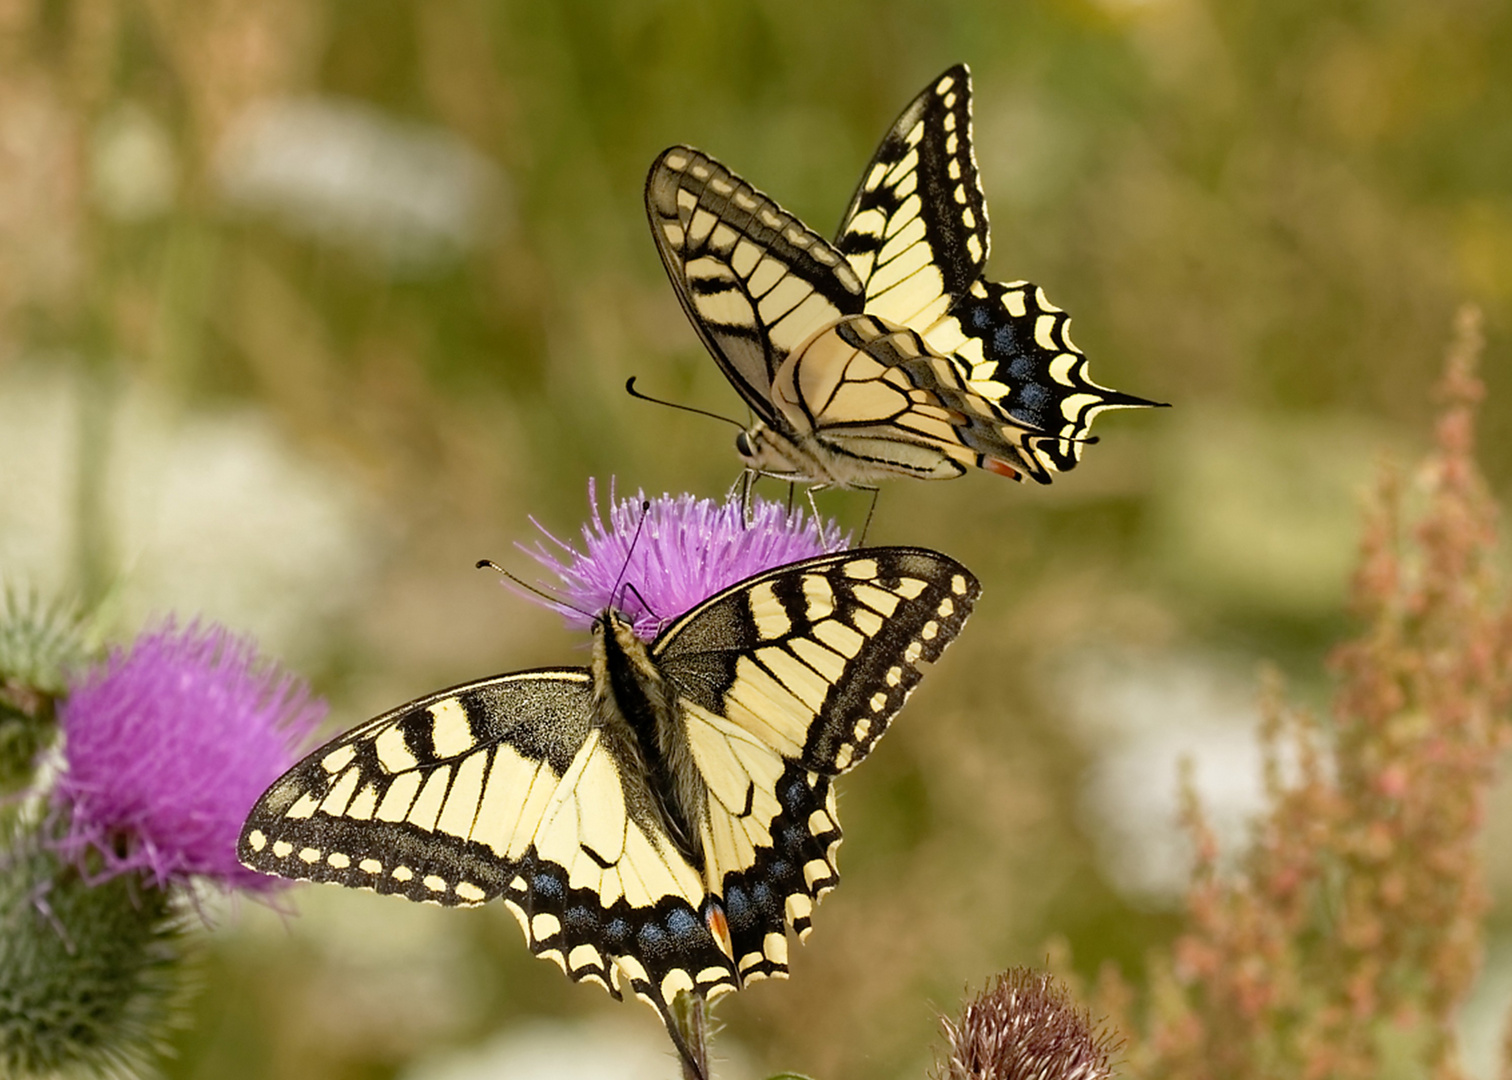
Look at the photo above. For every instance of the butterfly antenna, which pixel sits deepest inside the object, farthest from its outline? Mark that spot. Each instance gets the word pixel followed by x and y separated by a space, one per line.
pixel 555 601
pixel 633 392
pixel 1084 440
pixel 625 569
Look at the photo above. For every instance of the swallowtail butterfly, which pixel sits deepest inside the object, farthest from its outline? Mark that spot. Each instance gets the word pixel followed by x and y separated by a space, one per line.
pixel 658 820
pixel 885 353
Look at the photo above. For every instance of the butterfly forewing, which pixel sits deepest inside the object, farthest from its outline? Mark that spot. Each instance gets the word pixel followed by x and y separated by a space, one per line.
pixel 917 235
pixel 815 659
pixel 916 230
pixel 393 805
pixel 754 280
pixel 501 788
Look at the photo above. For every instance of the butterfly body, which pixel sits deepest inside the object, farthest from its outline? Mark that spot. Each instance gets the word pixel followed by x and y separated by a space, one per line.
pixel 638 722
pixel 759 286
pixel 659 820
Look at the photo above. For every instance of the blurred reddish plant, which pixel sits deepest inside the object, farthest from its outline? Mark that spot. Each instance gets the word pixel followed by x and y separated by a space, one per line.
pixel 1349 934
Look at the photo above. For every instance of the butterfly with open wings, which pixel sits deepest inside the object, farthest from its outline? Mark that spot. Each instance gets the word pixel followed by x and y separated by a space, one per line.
pixel 658 820
pixel 885 353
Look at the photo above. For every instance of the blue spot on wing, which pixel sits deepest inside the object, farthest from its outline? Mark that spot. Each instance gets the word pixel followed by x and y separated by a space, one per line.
pixel 546 887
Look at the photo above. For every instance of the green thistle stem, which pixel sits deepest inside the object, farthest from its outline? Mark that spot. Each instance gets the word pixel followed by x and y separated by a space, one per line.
pixel 91 976
pixel 689 1014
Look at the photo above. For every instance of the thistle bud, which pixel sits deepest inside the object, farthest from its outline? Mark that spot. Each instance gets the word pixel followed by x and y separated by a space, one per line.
pixel 1025 1026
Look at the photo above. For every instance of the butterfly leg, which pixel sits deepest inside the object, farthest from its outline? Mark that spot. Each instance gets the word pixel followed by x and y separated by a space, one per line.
pixel 813 506
pixel 631 590
pixel 870 510
pixel 744 484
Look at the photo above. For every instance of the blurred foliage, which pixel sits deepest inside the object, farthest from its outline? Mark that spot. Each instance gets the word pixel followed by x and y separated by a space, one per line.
pixel 40 644
pixel 1264 213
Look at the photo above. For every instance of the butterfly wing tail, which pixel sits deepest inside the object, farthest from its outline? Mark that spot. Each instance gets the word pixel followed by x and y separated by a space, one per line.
pixel 1015 349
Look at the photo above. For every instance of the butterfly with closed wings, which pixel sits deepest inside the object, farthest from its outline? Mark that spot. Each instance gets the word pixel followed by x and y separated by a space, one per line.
pixel 885 353
pixel 658 820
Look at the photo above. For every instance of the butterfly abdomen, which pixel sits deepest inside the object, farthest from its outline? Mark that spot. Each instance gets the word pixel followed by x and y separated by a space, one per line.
pixel 636 715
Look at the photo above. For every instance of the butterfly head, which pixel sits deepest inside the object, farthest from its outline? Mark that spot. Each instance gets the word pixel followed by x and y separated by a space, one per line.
pixel 614 636
pixel 613 623
pixel 770 453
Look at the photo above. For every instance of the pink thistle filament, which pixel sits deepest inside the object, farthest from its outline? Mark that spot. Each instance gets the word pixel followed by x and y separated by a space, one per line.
pixel 655 564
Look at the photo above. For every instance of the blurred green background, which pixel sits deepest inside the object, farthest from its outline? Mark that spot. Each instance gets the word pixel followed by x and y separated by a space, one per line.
pixel 307 306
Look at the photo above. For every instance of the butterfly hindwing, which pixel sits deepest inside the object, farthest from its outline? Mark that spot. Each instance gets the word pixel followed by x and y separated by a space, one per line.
pixel 1016 347
pixel 753 279
pixel 878 395
pixel 500 788
pixel 769 839
pixel 916 229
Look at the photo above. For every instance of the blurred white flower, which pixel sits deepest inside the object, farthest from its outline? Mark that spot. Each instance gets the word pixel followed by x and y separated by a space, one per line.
pixel 1483 1019
pixel 412 195
pixel 1140 715
pixel 133 171
pixel 218 514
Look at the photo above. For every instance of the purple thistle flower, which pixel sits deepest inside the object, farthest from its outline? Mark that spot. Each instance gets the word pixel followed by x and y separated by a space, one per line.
pixel 168 744
pixel 687 550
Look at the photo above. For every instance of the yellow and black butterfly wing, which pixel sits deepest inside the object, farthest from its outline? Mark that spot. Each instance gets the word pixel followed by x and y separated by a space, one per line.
pixel 1016 349
pixel 502 788
pixel 881 402
pixel 916 229
pixel 916 234
pixel 753 279
pixel 785 681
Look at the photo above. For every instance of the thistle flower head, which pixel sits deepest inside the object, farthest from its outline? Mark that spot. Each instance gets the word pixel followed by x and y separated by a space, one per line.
pixel 167 746
pixel 656 563
pixel 1024 1026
